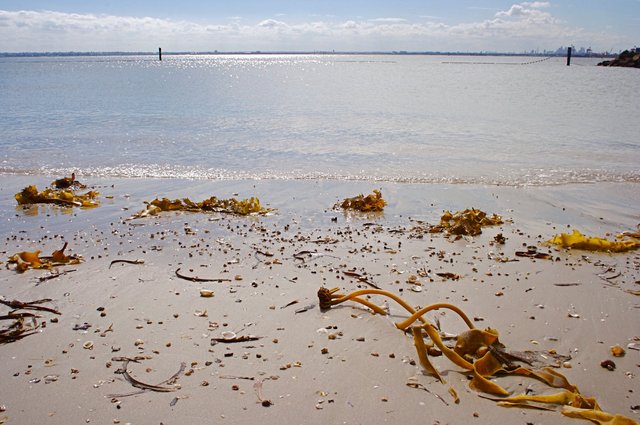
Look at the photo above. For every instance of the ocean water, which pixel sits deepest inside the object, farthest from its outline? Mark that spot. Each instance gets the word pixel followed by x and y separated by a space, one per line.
pixel 419 119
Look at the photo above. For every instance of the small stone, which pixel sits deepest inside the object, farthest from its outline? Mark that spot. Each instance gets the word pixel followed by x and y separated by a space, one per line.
pixel 608 364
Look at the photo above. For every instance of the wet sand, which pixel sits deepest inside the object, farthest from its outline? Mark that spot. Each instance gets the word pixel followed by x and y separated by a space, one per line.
pixel 343 365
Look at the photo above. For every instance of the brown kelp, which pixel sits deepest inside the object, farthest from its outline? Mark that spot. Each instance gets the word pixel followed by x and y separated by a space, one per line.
pixel 369 203
pixel 62 192
pixel 234 206
pixel 23 323
pixel 481 354
pixel 26 260
pixel 468 222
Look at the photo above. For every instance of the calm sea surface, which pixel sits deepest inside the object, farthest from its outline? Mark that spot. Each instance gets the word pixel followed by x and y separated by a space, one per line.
pixel 426 119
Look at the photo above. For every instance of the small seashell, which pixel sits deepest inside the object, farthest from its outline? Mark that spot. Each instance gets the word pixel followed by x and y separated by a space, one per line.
pixel 567 365
pixel 206 293
pixel 617 351
pixel 228 335
pixel 416 288
pixel 88 345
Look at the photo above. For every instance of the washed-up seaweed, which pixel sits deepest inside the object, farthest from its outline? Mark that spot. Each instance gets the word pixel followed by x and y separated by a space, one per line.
pixel 576 240
pixel 361 278
pixel 19 328
pixel 63 195
pixel 67 182
pixel 369 203
pixel 31 260
pixel 199 279
pixel 233 339
pixel 249 206
pixel 23 323
pixel 482 355
pixel 468 222
pixel 144 387
pixel 30 305
pixel 126 262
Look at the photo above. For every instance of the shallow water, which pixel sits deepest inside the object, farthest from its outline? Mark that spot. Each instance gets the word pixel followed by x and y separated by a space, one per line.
pixel 383 118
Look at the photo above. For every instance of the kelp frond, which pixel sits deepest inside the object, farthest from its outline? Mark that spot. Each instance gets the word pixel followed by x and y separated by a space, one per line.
pixel 481 354
pixel 64 197
pixel 26 260
pixel 577 240
pixel 249 206
pixel 468 222
pixel 369 203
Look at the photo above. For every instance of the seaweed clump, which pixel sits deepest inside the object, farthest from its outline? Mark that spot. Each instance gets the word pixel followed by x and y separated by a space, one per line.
pixel 481 354
pixel 26 260
pixel 468 222
pixel 61 193
pixel 369 203
pixel 234 206
pixel 577 240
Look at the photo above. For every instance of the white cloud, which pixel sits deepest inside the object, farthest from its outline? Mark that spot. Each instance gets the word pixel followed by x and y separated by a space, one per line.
pixel 272 23
pixel 388 20
pixel 523 26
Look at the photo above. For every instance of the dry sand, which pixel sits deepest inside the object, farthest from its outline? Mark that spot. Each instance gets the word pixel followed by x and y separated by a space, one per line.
pixel 341 366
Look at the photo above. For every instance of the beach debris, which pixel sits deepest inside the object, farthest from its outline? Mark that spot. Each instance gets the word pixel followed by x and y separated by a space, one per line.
pixel 499 239
pixel 617 351
pixel 577 240
pixel 199 279
pixel 23 323
pixel 449 275
pixel 481 354
pixel 532 252
pixel 360 277
pixel 206 293
pixel 369 203
pixel 30 305
pixel 257 386
pixel 249 206
pixel 308 255
pixel 412 382
pixel 305 308
pixel 67 182
pixel 608 364
pixel 465 223
pixel 141 385
pixel 53 275
pixel 126 261
pixel 289 304
pixel 26 260
pixel 51 195
pixel 229 337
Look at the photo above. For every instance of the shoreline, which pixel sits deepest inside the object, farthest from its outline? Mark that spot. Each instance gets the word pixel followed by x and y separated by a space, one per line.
pixel 355 380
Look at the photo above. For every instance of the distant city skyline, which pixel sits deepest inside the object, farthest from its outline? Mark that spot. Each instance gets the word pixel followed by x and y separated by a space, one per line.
pixel 287 25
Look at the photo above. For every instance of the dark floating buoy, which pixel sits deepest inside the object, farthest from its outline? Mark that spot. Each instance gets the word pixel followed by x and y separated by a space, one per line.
pixel 160 53
pixel 568 56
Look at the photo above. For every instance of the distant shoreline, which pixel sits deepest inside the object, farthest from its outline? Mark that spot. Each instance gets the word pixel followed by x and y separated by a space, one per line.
pixel 382 53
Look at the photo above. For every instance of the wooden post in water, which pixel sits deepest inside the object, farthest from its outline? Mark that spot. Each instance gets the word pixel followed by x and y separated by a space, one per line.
pixel 568 56
pixel 160 53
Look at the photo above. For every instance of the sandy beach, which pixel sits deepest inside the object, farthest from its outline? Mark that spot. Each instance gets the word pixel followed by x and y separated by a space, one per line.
pixel 344 365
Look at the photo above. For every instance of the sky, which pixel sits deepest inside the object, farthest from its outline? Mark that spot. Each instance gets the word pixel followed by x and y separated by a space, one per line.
pixel 321 25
